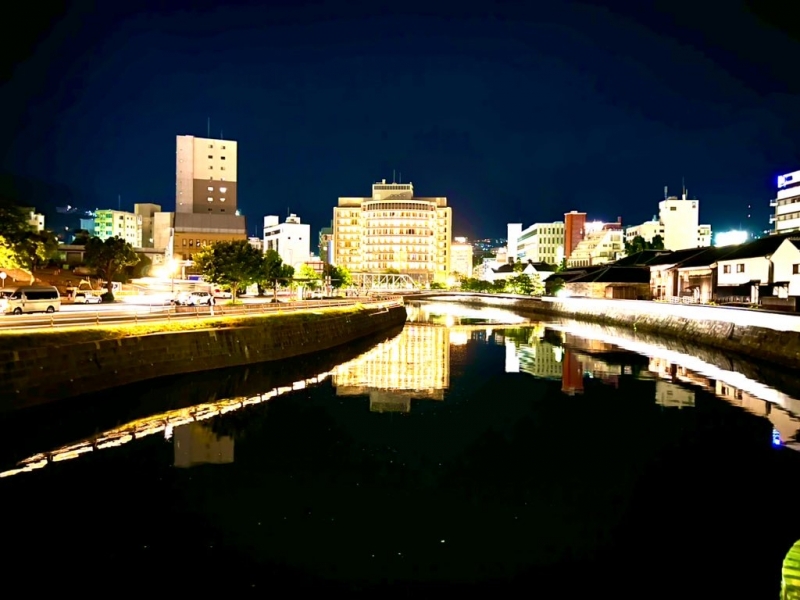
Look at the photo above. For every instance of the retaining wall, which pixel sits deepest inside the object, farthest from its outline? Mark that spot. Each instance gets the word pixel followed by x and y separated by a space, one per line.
pixel 38 375
pixel 765 336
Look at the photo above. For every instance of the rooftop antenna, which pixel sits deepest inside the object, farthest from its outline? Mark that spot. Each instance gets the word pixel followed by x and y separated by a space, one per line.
pixel 665 192
pixel 683 187
pixel 220 134
pixel 119 201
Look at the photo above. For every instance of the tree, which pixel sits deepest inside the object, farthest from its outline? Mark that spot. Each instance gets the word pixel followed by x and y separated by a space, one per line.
pixel 519 266
pixel 520 284
pixel 81 238
pixel 273 271
pixel 340 276
pixel 639 244
pixel 562 266
pixel 22 245
pixel 234 264
pixel 109 257
pixel 308 277
pixel 9 259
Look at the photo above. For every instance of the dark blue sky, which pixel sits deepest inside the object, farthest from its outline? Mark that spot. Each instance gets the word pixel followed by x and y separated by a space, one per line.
pixel 514 113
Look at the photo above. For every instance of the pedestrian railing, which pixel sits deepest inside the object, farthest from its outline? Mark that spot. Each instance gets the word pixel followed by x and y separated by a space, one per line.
pixel 168 313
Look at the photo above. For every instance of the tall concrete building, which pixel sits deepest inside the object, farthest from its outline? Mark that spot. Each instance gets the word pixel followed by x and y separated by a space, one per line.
pixel 574 231
pixel 787 204
pixel 393 229
pixel 206 198
pixel 205 175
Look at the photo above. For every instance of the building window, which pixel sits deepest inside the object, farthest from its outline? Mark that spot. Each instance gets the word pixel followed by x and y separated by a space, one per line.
pixel 673 208
pixel 222 199
pixel 191 243
pixel 740 268
pixel 796 269
pixel 210 156
pixel 184 242
pixel 223 189
pixel 197 243
pixel 210 199
pixel 726 269
pixel 222 158
pixel 210 188
pixel 222 168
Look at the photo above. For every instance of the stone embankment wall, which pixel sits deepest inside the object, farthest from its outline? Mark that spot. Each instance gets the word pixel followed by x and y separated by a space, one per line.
pixel 772 337
pixel 48 373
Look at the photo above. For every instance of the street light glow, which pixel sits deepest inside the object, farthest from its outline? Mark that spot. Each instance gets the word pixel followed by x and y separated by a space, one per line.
pixel 728 238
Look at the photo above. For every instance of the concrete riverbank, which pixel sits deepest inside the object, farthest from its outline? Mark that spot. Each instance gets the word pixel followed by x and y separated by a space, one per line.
pixel 39 374
pixel 765 336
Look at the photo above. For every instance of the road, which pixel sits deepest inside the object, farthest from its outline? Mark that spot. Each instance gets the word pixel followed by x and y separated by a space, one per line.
pixel 82 315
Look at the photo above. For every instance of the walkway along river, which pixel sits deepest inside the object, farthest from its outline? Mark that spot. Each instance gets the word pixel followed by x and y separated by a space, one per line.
pixel 475 446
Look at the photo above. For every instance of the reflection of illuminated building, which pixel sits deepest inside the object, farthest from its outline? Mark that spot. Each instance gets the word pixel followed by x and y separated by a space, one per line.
pixel 671 395
pixel 540 359
pixel 787 425
pixel 571 374
pixel 415 364
pixel 195 444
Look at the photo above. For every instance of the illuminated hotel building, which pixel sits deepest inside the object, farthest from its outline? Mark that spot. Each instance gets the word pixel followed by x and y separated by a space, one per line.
pixel 392 229
pixel 414 365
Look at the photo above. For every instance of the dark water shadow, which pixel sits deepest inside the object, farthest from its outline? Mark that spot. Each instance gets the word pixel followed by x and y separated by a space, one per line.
pixel 63 422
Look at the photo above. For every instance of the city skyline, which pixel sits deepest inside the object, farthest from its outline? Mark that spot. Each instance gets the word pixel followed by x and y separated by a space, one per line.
pixel 470 121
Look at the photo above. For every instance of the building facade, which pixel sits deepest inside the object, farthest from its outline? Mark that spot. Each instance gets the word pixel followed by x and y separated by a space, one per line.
pixel 542 242
pixel 787 203
pixel 118 223
pixel 393 229
pixel 291 239
pixel 461 261
pixel 147 213
pixel 678 224
pixel 205 175
pixel 599 247
pixel 574 230
pixel 326 244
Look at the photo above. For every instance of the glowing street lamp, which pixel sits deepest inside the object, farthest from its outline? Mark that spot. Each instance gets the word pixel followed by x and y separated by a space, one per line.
pixel 173 266
pixel 3 276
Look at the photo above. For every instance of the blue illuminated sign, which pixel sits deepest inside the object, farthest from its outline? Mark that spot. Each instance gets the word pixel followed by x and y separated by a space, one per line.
pixel 776 438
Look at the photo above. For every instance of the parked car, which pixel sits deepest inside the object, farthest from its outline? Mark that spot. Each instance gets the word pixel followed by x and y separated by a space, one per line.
pixel 192 298
pixel 220 293
pixel 87 298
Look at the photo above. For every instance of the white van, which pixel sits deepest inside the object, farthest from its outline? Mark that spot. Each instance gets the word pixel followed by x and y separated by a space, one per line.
pixel 29 300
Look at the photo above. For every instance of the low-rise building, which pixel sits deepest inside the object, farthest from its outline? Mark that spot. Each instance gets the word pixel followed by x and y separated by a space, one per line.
pixel 119 223
pixel 599 246
pixel 291 239
pixel 461 259
pixel 541 242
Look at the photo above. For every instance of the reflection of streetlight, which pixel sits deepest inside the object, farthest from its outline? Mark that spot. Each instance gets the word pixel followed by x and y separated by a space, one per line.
pixel 3 276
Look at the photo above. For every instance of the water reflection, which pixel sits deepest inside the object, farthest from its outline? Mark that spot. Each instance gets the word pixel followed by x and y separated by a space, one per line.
pixel 197 444
pixel 415 366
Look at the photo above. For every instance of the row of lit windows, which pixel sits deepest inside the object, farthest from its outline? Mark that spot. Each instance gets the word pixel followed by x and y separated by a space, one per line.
pixel 400 206
pixel 222 189
pixel 402 231
pixel 210 199
pixel 198 243
pixel 391 256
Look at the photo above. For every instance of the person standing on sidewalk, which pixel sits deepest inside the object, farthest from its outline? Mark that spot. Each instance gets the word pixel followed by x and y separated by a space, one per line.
pixel 211 302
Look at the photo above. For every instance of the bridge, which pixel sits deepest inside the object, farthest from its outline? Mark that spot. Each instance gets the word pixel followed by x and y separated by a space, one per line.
pixel 384 282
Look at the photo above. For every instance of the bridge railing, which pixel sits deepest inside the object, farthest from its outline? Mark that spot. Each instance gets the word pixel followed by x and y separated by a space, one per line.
pixel 174 313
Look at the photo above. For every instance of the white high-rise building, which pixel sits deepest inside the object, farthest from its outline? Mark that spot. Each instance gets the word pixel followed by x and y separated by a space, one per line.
pixel 678 225
pixel 787 204
pixel 291 239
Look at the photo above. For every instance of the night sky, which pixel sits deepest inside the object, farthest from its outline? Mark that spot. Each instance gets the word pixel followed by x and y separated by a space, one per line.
pixel 516 113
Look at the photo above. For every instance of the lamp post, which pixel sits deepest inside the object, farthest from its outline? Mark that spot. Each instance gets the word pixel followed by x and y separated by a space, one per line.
pixel 3 276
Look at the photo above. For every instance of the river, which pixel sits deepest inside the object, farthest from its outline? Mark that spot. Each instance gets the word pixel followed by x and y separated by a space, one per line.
pixel 476 447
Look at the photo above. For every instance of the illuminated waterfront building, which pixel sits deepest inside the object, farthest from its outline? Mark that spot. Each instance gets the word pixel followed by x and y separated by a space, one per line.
pixel 787 204
pixel 394 230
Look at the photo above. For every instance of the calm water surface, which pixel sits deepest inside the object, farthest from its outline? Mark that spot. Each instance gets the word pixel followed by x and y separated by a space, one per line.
pixel 475 447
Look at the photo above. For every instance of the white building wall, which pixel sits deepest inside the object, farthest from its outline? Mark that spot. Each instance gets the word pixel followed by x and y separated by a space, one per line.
pixel 512 239
pixel 744 270
pixel 542 242
pixel 786 266
pixel 681 219
pixel 292 240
